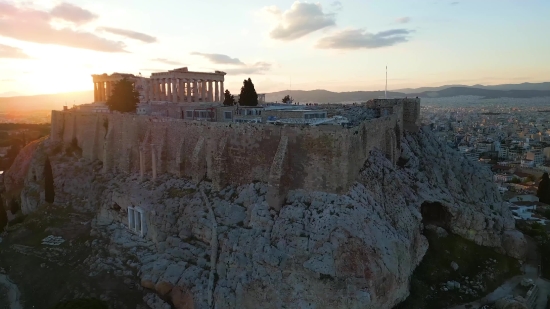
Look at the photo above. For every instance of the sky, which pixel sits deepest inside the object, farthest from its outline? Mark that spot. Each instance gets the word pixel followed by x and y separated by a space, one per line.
pixel 49 46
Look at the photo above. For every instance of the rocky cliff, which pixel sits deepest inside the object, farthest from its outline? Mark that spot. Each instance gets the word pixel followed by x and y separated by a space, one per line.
pixel 227 249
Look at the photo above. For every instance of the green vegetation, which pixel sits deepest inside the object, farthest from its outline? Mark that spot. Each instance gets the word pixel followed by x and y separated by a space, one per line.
pixel 475 262
pixel 48 182
pixel 249 96
pixel 229 99
pixel 540 234
pixel 543 192
pixel 178 193
pixel 286 99
pixel 82 304
pixel 124 97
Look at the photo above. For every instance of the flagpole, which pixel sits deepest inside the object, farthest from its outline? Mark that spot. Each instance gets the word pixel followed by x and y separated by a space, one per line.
pixel 386 91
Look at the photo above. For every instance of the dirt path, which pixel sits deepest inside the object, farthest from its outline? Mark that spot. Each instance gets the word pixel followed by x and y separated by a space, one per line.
pixel 12 292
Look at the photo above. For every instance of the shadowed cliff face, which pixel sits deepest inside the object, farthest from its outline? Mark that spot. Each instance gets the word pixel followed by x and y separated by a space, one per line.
pixel 355 250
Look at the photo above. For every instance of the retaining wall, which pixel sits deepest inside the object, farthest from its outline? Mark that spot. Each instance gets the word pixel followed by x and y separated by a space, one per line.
pixel 323 158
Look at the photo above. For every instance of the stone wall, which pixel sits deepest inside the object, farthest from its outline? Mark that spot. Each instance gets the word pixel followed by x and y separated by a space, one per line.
pixel 323 158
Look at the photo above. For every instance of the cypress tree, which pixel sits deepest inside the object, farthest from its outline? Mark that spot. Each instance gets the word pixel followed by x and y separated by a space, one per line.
pixel 48 182
pixel 249 96
pixel 543 192
pixel 124 97
pixel 229 99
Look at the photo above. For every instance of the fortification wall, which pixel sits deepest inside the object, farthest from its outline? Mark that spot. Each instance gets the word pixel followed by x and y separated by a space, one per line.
pixel 323 158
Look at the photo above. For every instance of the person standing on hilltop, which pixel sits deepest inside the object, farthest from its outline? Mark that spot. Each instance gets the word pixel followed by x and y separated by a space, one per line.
pixel 543 192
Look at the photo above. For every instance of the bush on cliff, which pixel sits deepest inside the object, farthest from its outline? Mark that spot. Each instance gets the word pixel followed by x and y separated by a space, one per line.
pixel 124 97
pixel 248 96
pixel 49 191
pixel 543 192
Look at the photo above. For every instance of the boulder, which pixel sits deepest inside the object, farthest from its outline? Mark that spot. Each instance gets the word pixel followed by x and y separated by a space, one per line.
pixel 454 266
pixel 511 303
pixel 514 244
pixel 148 284
pixel 182 298
pixel 163 288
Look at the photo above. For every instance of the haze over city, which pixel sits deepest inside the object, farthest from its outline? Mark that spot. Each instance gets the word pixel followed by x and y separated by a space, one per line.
pixel 53 46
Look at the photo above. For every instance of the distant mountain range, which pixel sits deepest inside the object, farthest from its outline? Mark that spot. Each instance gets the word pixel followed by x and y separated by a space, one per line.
pixel 524 86
pixel 525 90
pixel 45 101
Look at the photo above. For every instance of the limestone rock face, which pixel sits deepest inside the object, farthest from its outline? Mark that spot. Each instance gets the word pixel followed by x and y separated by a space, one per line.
pixel 321 250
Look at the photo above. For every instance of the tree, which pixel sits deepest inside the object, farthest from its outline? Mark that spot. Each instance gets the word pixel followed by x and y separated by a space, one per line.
pixel 543 192
pixel 248 96
pixel 3 215
pixel 124 97
pixel 49 189
pixel 229 99
pixel 286 99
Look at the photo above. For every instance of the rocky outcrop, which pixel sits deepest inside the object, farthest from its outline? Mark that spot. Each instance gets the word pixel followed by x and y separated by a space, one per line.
pixel 320 250
pixel 14 177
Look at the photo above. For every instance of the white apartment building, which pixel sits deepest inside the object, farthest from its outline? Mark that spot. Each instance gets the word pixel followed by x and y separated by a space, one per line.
pixel 536 156
pixel 484 146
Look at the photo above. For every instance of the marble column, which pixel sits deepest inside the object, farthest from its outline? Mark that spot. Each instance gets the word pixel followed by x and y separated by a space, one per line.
pixel 95 92
pixel 203 91
pixel 222 92
pixel 195 91
pixel 181 90
pixel 210 94
pixel 217 95
pixel 157 89
pixel 169 89
pixel 188 82
pixel 108 93
pixel 101 91
pixel 176 94
pixel 162 90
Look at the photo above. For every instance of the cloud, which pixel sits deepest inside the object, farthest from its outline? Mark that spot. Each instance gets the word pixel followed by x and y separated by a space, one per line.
pixel 301 19
pixel 455 3
pixel 72 13
pixel 257 68
pixel 358 38
pixel 27 24
pixel 130 34
pixel 337 5
pixel 403 20
pixel 166 61
pixel 12 52
pixel 219 58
